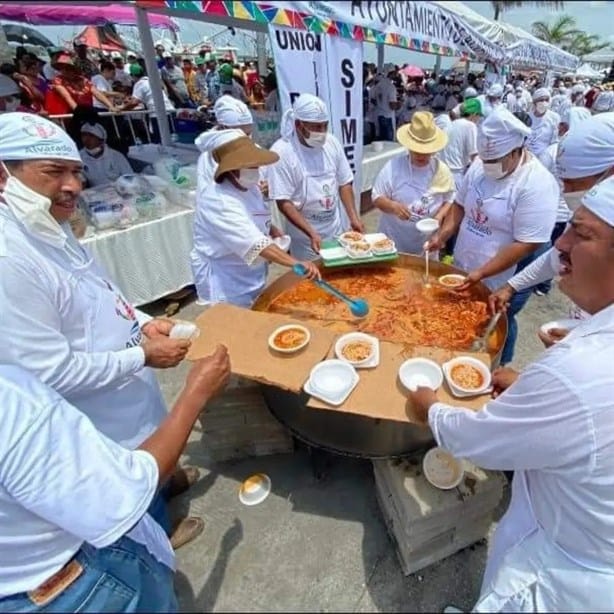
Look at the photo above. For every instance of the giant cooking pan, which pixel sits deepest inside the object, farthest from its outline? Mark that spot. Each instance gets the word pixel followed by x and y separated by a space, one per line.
pixel 352 434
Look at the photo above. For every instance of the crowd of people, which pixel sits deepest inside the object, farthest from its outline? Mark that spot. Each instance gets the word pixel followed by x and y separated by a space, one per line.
pixel 89 454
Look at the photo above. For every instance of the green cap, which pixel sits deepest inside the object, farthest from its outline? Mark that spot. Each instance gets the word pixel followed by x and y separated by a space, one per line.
pixel 54 50
pixel 472 106
pixel 225 72
pixel 136 70
pixel 199 61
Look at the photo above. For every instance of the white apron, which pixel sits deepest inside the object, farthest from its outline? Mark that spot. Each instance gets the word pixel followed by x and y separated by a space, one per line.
pixel 130 410
pixel 527 572
pixel 486 227
pixel 228 279
pixel 421 203
pixel 321 207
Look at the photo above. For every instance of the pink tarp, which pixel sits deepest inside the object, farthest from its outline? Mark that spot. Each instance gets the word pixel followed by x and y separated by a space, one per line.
pixel 78 15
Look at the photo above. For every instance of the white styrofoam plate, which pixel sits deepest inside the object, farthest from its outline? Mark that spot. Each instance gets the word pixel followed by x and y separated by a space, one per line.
pixel 371 362
pixel 332 381
pixel 333 253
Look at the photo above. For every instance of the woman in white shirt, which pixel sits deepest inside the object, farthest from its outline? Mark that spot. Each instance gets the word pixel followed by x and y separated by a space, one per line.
pixel 410 188
pixel 233 235
pixel 503 213
pixel 76 535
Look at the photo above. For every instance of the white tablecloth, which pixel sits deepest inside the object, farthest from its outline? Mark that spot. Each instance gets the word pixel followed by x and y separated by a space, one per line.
pixel 149 260
pixel 373 162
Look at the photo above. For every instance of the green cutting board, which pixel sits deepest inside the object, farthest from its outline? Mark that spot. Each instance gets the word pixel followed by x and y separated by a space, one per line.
pixel 346 260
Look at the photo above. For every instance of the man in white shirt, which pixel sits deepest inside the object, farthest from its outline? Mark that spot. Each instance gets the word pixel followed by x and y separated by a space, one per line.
pixel 385 95
pixel 101 163
pixel 504 211
pixel 462 146
pixel 103 82
pixel 312 180
pixel 63 318
pixel 492 99
pixel 76 535
pixel 120 70
pixel 545 123
pixel 552 425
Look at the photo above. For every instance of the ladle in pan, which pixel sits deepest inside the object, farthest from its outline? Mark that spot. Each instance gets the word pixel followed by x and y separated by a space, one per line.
pixel 358 306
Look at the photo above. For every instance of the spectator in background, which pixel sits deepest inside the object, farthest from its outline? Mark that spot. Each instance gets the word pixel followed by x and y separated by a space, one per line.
pixel 32 84
pixel 120 73
pixel 385 95
pixel 174 80
pixel 251 77
pixel 213 79
pixel 48 71
pixel 256 98
pixel 103 82
pixel 228 84
pixel 130 60
pixel 160 59
pixel 201 91
pixel 190 73
pixel 101 163
pixel 271 101
pixel 87 68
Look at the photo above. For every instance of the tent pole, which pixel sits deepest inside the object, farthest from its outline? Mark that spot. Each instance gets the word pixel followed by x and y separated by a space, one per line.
pixel 261 53
pixel 437 65
pixel 149 55
pixel 467 66
pixel 380 56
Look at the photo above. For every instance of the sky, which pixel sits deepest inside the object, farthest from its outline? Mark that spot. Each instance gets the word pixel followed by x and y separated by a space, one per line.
pixel 592 17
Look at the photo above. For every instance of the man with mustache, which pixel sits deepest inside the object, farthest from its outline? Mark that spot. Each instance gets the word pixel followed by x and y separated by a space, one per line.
pixel 552 425
pixel 63 319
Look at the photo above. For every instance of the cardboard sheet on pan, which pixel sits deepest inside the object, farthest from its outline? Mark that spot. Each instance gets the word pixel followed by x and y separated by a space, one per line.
pixel 380 394
pixel 245 333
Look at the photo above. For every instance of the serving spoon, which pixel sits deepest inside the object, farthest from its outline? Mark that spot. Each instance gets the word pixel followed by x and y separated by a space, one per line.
pixel 358 306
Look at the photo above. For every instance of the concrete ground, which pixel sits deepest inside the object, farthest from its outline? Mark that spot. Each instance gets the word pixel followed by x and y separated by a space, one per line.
pixel 313 545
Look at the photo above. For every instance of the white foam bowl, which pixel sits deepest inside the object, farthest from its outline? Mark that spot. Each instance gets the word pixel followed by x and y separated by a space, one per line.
pixel 184 330
pixel 417 372
pixel 474 362
pixel 344 241
pixel 427 226
pixel 331 378
pixel 289 350
pixel 451 277
pixel 283 242
pixel 350 338
pixel 565 323
pixel 255 489
pixel 441 469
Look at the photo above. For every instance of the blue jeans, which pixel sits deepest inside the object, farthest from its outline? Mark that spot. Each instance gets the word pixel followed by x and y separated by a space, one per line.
pixel 385 128
pixel 519 300
pixel 122 577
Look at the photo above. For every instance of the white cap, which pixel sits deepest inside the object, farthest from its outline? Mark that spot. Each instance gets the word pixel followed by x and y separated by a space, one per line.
pixel 541 92
pixel 167 54
pixel 495 91
pixel 95 129
pixel 25 136
pixel 470 92
pixel 212 139
pixel 588 148
pixel 600 200
pixel 8 87
pixel 230 111
pixel 131 54
pixel 307 108
pixel 500 133
pixel 116 55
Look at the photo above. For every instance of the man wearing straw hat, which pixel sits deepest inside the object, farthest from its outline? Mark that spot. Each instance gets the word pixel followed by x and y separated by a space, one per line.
pixel 552 425
pixel 312 179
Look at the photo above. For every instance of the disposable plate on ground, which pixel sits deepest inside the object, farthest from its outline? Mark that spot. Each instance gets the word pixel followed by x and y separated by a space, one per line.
pixel 255 489
pixel 441 469
pixel 371 361
pixel 418 372
pixel 332 381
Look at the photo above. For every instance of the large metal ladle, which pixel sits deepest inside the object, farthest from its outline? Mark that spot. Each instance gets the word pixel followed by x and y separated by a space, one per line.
pixel 358 306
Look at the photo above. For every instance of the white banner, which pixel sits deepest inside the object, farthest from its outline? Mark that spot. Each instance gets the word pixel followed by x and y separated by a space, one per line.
pixel 329 67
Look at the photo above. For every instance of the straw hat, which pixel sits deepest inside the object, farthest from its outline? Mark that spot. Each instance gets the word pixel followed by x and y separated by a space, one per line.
pixel 241 153
pixel 422 135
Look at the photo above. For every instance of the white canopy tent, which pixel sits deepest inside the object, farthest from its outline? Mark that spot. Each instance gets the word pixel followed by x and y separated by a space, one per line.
pixel 587 71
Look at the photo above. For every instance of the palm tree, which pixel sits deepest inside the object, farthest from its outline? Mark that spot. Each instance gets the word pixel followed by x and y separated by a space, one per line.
pixel 584 44
pixel 500 7
pixel 561 32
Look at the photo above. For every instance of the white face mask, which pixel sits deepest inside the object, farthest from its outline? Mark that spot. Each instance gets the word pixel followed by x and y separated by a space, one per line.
pixel 32 210
pixel 95 151
pixel 494 170
pixel 11 104
pixel 574 199
pixel 249 177
pixel 542 106
pixel 316 139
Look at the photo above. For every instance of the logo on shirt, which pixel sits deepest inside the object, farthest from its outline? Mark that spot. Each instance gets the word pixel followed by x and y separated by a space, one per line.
pixel 478 219
pixel 328 201
pixel 420 208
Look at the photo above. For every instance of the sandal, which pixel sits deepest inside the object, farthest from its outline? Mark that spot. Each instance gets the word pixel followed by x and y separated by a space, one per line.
pixel 186 530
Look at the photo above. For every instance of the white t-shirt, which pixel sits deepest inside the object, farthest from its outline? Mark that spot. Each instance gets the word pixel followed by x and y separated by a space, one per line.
pixel 548 159
pixel 106 168
pixel 142 91
pixel 102 85
pixel 384 93
pixel 63 483
pixel 544 131
pixel 521 207
pixel 123 77
pixel 462 144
